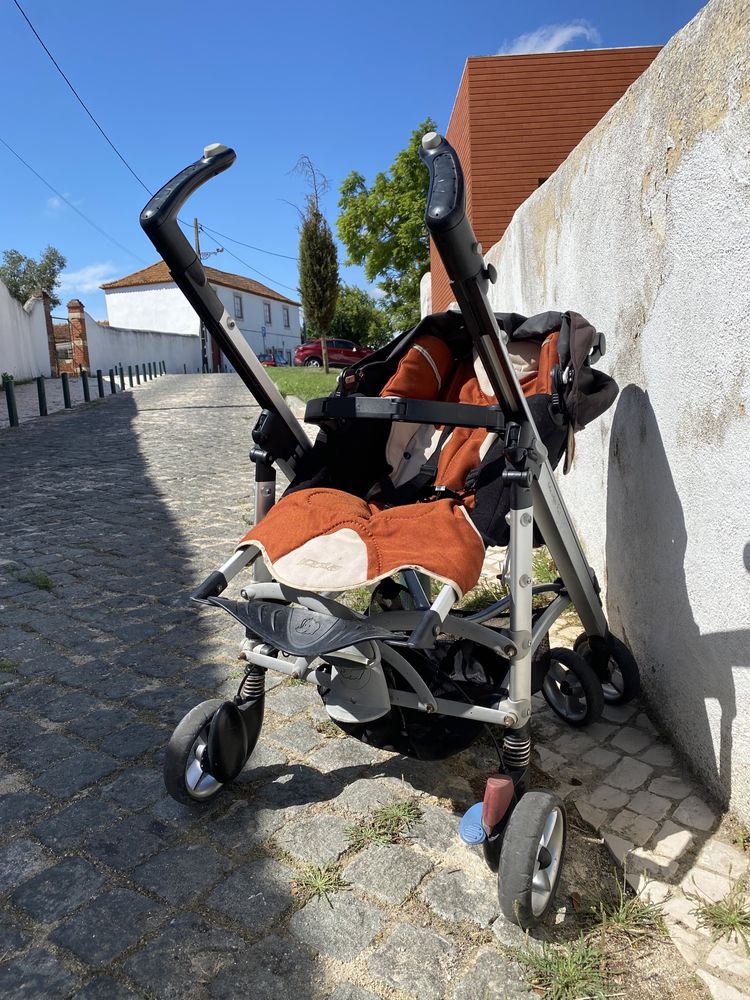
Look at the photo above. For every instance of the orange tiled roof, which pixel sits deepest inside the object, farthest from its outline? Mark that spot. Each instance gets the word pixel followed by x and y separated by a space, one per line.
pixel 158 274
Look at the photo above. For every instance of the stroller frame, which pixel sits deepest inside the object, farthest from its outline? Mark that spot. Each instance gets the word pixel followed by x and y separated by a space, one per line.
pixel 280 441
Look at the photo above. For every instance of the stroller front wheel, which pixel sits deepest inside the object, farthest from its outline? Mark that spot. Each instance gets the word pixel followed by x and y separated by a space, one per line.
pixel 531 858
pixel 615 666
pixel 571 688
pixel 185 772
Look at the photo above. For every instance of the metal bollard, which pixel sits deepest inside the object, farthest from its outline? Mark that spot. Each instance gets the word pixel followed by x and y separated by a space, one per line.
pixel 137 374
pixel 185 367
pixel 112 387
pixel 150 371
pixel 41 392
pixel 85 385
pixel 10 399
pixel 122 380
pixel 66 391
pixel 130 376
pixel 100 381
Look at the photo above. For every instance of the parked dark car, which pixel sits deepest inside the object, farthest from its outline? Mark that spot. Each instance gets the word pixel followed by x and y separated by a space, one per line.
pixel 341 353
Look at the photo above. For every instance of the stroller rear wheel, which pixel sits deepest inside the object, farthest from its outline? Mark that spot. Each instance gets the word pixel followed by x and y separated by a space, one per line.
pixel 615 666
pixel 571 688
pixel 531 858
pixel 185 766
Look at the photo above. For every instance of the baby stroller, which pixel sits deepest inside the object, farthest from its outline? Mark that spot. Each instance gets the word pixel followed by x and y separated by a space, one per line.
pixel 430 449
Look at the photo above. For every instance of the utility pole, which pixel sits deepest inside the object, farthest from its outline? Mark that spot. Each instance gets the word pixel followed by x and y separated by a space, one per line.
pixel 204 346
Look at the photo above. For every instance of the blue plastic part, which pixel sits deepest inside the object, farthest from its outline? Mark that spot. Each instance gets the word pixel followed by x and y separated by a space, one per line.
pixel 471 830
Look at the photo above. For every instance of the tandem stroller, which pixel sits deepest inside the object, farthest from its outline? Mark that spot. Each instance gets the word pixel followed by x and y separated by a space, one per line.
pixel 435 446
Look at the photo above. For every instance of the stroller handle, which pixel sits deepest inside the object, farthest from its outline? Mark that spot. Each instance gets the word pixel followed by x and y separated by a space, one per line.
pixel 445 215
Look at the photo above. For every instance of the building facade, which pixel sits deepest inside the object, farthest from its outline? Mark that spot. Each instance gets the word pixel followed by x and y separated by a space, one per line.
pixel 150 300
pixel 514 121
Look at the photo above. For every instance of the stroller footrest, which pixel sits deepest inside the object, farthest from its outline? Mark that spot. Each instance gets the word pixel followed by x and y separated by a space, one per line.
pixel 298 630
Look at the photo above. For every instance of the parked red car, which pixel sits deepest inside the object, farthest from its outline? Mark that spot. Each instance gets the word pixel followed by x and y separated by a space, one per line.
pixel 341 353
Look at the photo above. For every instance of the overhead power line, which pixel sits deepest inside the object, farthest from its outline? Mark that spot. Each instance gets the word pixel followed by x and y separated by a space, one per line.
pixel 70 204
pixel 79 98
pixel 248 266
pixel 249 246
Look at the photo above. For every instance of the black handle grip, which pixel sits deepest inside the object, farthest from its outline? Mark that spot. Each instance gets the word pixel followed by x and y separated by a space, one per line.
pixel 445 215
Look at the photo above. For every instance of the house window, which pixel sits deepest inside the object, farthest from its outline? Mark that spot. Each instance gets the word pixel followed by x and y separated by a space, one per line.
pixel 238 306
pixel 267 313
pixel 285 313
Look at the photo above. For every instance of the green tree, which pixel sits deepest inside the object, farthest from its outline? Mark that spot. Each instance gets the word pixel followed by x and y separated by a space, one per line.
pixel 358 318
pixel 23 275
pixel 382 228
pixel 318 261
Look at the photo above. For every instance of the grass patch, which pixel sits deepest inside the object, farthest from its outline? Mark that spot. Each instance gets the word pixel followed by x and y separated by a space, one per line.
pixel 306 383
pixel 728 918
pixel 35 577
pixel 543 566
pixel 384 825
pixel 568 971
pixel 329 729
pixel 357 599
pixel 8 666
pixel 485 593
pixel 313 881
pixel 294 682
pixel 631 915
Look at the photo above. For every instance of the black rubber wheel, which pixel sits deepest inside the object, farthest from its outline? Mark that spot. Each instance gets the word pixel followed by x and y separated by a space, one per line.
pixel 572 689
pixel 184 777
pixel 615 667
pixel 531 858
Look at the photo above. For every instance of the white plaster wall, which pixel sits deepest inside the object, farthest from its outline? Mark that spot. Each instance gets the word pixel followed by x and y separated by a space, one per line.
pixel 24 351
pixel 278 337
pixel 110 346
pixel 158 307
pixel 425 295
pixel 645 230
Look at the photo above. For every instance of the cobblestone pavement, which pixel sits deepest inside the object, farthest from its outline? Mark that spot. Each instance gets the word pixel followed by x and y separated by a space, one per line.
pixel 109 889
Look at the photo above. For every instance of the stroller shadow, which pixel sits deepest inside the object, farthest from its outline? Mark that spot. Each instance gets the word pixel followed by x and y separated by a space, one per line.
pixel 688 675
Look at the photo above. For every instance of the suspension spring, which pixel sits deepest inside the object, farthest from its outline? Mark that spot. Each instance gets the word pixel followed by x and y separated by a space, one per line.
pixel 516 750
pixel 253 683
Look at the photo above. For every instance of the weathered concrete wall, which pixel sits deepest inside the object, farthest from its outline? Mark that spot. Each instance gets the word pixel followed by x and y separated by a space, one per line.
pixel 110 346
pixel 645 230
pixel 24 352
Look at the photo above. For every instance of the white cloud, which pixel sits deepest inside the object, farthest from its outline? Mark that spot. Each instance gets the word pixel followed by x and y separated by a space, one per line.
pixel 88 278
pixel 551 38
pixel 56 205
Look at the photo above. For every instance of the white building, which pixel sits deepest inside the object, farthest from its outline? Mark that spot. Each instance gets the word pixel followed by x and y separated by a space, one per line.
pixel 150 300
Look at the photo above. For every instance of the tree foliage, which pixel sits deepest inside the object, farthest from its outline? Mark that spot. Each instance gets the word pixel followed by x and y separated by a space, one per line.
pixel 318 262
pixel 358 318
pixel 382 228
pixel 23 276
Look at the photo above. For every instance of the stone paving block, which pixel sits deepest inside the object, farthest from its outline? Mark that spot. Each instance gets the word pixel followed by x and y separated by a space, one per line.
pixel 135 740
pixel 12 938
pixel 415 960
pixel 437 830
pixel 600 731
pixel 694 812
pixel 594 817
pixel 97 724
pixel 70 776
pixel 339 754
pixel 388 871
pixel 179 873
pixel 729 962
pixel 457 895
pixel 340 926
pixel 643 721
pixel 672 841
pixel 105 928
pixel 631 740
pixel 275 968
pixel 135 789
pixel 298 785
pixel 245 825
pixel 648 804
pixel 719 989
pixel 185 956
pixel 656 866
pixel 723 859
pixel 345 991
pixel 256 895
pixel 71 705
pixel 34 976
pixel 19 808
pixel 129 841
pixel 706 884
pixel 81 818
pixel 637 828
pixel 574 744
pixel 105 988
pixel 360 797
pixel 658 755
pixel 290 699
pixel 549 761
pixel 41 753
pixel 670 786
pixel 262 757
pixel 299 736
pixel 601 758
pixel 678 907
pixel 492 977
pixel 320 838
pixel 629 774
pixel 59 890
pixel 619 713
pixel 19 860
pixel 619 848
pixel 606 797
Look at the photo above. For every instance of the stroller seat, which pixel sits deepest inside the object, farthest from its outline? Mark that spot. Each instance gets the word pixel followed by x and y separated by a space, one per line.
pixel 326 538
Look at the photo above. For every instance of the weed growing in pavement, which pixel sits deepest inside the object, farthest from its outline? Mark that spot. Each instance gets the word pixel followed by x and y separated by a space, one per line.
pixel 384 825
pixel 35 577
pixel 729 917
pixel 319 881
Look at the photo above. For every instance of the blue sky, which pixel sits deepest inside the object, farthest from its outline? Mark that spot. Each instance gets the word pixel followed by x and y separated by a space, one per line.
pixel 344 83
